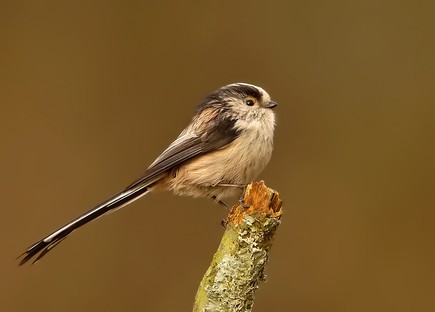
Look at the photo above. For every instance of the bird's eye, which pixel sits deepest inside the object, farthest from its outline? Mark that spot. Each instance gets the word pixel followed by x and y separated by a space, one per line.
pixel 249 102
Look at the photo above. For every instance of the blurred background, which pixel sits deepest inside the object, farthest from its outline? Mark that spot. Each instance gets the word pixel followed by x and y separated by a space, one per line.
pixel 92 91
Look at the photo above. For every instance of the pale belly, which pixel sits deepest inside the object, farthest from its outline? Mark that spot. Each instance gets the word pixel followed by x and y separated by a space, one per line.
pixel 239 163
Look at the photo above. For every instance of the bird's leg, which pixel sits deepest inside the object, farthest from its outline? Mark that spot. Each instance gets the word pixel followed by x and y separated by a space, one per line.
pixel 220 202
pixel 240 186
pixel 242 196
pixel 242 199
pixel 224 221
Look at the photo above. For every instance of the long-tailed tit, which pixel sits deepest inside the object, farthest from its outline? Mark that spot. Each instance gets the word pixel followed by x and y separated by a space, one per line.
pixel 228 143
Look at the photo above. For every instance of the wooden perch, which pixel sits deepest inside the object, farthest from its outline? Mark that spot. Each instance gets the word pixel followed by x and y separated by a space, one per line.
pixel 239 263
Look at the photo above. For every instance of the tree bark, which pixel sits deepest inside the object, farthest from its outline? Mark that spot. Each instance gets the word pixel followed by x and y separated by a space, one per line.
pixel 238 265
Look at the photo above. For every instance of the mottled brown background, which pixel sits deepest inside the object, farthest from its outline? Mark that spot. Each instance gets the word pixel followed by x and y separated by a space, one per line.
pixel 92 91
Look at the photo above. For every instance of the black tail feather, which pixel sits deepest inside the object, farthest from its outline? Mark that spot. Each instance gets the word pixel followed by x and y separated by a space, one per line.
pixel 42 247
pixel 48 243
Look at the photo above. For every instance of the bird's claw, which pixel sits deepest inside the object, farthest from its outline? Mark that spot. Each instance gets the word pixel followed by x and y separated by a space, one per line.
pixel 243 204
pixel 242 199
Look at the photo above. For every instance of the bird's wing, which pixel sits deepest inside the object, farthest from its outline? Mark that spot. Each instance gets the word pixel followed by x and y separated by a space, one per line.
pixel 187 146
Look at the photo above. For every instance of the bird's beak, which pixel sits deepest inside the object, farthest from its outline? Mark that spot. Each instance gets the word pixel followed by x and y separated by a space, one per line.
pixel 271 104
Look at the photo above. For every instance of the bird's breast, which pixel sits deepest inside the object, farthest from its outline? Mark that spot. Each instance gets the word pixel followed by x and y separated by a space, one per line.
pixel 239 162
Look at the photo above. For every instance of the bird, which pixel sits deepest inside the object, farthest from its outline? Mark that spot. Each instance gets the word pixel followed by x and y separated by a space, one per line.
pixel 226 145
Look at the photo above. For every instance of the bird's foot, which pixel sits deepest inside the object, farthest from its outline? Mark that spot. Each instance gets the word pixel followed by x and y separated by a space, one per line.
pixel 242 199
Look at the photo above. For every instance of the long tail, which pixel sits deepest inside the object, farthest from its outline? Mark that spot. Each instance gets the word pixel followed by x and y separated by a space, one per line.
pixel 46 244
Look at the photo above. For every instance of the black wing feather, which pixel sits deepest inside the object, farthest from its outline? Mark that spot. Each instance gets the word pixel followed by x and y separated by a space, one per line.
pixel 186 147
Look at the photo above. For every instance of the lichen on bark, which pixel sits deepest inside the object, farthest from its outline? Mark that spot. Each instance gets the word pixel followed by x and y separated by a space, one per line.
pixel 238 265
